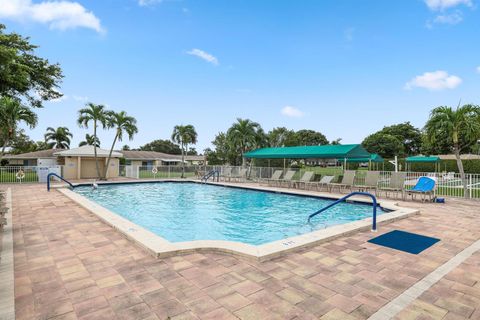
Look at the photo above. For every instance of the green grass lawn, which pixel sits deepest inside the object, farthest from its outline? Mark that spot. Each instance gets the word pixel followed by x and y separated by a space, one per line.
pixel 9 177
pixel 149 175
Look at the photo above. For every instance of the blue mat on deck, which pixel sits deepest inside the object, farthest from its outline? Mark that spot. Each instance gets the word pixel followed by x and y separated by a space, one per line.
pixel 404 241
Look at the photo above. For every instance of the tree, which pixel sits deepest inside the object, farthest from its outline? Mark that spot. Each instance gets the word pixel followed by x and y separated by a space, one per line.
pixel 384 144
pixel 336 142
pixel 222 153
pixel 21 143
pixel 245 135
pixel 90 140
pixel 25 75
pixel 192 152
pixel 12 113
pixel 58 138
pixel 280 137
pixel 462 122
pixel 164 146
pixel 126 147
pixel 309 138
pixel 98 115
pixel 408 135
pixel 122 123
pixel 184 135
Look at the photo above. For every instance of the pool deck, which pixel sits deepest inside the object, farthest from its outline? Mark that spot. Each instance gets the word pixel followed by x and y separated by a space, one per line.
pixel 68 264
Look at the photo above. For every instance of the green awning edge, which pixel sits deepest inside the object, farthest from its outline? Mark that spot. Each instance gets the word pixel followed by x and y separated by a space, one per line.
pixel 344 151
pixel 373 158
pixel 422 159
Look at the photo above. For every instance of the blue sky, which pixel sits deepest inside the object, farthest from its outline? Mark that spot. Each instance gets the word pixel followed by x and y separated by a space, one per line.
pixel 345 68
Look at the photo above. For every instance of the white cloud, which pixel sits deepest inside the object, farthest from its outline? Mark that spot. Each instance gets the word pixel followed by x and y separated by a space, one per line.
pixel 204 56
pixel 445 4
pixel 478 69
pixel 436 80
pixel 452 18
pixel 60 15
pixel 80 98
pixel 290 111
pixel 146 3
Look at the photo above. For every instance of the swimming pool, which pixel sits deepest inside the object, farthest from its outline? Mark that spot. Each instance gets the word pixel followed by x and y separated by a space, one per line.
pixel 186 211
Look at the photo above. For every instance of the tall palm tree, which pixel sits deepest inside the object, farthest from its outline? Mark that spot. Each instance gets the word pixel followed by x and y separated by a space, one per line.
pixel 122 124
pixel 58 138
pixel 245 134
pixel 184 135
pixel 460 125
pixel 12 112
pixel 98 115
pixel 90 141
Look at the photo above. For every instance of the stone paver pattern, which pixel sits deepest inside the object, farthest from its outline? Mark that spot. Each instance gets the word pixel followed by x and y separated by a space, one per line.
pixel 70 265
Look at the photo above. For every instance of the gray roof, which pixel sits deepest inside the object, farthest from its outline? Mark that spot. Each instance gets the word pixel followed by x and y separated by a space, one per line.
pixel 462 156
pixel 153 155
pixel 34 155
pixel 87 151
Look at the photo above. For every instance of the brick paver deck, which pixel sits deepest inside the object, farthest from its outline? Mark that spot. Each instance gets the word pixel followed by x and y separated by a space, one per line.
pixel 70 265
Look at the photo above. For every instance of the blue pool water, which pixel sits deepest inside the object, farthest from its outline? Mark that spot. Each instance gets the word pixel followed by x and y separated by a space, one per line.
pixel 190 211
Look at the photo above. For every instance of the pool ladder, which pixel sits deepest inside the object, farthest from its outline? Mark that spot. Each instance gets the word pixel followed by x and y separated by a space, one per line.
pixel 374 203
pixel 211 174
pixel 59 177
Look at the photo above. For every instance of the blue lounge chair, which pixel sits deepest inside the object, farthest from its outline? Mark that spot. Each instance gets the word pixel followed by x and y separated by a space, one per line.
pixel 424 186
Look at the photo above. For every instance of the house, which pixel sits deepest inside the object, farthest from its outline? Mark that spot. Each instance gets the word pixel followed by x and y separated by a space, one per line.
pixel 153 158
pixel 78 163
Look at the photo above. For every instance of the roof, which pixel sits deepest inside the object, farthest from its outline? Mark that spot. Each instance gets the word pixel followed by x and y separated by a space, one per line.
pixel 34 155
pixel 373 158
pixel 423 159
pixel 343 151
pixel 153 155
pixel 87 151
pixel 462 156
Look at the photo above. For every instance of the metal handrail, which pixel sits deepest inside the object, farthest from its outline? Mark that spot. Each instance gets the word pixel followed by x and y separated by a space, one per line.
pixel 374 200
pixel 210 174
pixel 56 175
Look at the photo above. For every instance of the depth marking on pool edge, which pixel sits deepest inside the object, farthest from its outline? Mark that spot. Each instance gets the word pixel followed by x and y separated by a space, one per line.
pixel 395 306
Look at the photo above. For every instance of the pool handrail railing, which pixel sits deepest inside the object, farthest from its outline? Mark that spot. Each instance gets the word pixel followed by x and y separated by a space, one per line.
pixel 211 173
pixel 59 177
pixel 374 203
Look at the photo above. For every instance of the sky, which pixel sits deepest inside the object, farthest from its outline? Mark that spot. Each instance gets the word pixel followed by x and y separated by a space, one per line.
pixel 344 68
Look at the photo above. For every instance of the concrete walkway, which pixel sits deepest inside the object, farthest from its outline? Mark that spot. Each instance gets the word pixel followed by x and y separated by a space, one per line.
pixel 70 265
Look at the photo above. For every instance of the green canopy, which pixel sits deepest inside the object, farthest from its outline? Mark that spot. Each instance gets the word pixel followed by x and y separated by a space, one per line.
pixel 373 158
pixel 342 151
pixel 422 159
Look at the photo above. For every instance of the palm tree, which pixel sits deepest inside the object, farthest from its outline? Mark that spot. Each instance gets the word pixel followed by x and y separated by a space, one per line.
pixel 12 112
pixel 96 114
pixel 90 141
pixel 460 125
pixel 245 135
pixel 58 138
pixel 122 123
pixel 184 135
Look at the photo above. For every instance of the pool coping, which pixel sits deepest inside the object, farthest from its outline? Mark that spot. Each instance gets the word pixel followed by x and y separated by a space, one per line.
pixel 161 247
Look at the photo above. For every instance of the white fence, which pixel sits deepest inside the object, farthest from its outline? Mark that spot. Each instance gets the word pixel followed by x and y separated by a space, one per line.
pixel 27 174
pixel 448 184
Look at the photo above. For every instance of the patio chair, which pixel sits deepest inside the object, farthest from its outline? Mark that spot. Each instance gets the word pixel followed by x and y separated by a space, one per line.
pixel 226 173
pixel 347 182
pixel 325 181
pixel 287 178
pixel 424 186
pixel 304 180
pixel 371 182
pixel 396 185
pixel 242 175
pixel 275 177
